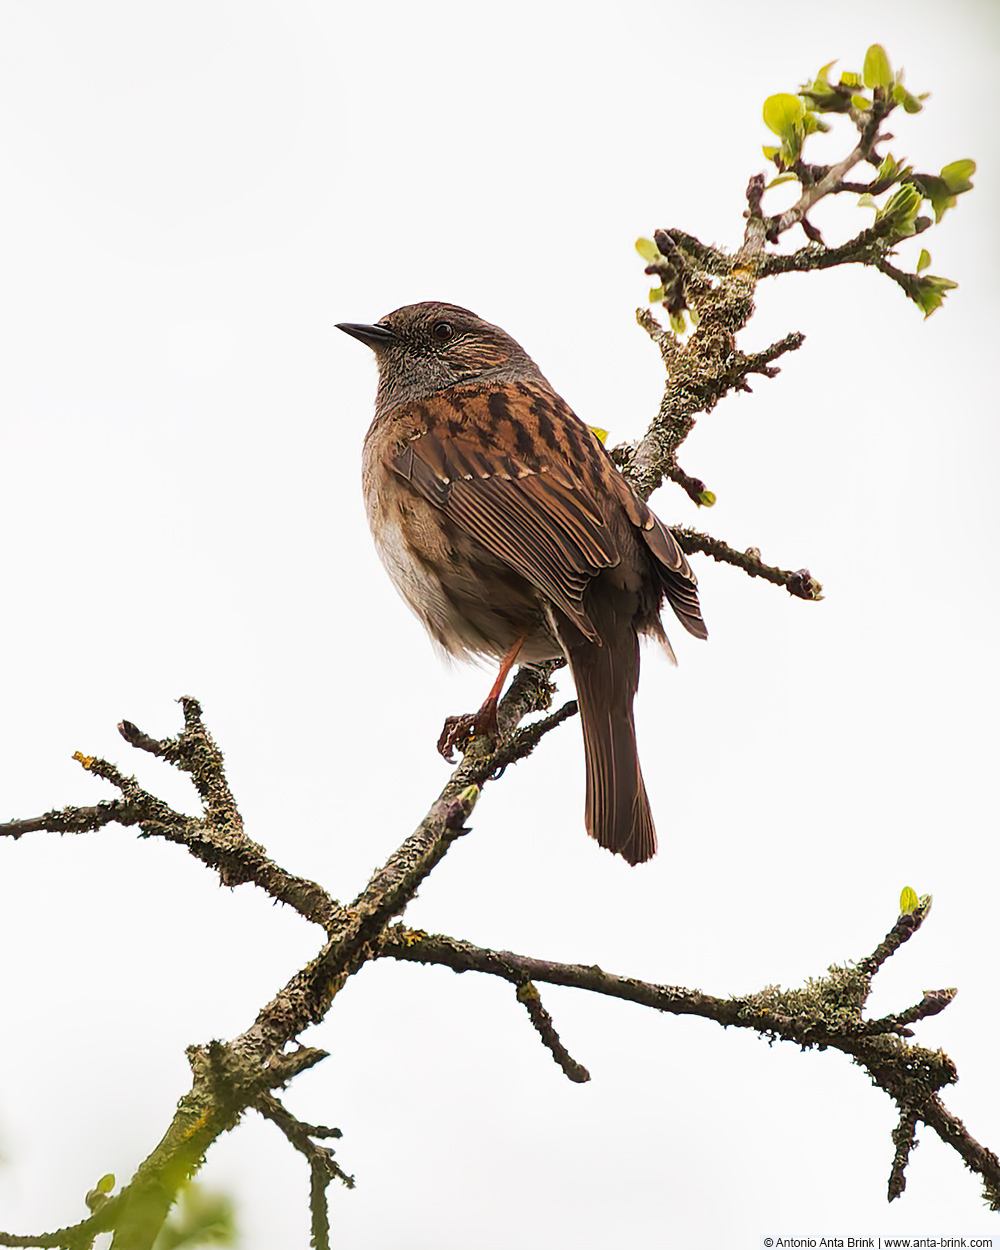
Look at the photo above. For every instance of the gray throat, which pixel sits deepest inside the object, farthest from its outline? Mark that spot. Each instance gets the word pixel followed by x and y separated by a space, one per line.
pixel 409 387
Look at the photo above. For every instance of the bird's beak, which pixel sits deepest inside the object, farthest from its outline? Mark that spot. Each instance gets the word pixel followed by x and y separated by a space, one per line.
pixel 375 336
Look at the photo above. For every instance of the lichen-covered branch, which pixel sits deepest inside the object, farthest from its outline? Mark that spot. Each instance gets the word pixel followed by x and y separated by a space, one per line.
pixel 799 582
pixel 217 837
pixel 826 1014
pixel 530 999
pixel 230 1078
pixel 716 289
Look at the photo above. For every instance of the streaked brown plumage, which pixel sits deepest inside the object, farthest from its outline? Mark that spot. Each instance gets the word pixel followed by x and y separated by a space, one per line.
pixel 507 529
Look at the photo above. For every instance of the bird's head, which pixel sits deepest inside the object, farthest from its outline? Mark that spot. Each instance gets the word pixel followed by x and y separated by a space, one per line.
pixel 428 347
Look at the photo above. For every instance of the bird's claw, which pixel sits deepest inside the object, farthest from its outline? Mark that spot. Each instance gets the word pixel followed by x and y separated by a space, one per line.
pixel 459 731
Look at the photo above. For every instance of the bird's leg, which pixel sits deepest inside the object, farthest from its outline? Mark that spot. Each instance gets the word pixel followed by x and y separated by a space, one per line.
pixel 459 731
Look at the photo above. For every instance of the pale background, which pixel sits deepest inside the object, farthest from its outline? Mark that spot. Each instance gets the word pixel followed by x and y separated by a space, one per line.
pixel 193 194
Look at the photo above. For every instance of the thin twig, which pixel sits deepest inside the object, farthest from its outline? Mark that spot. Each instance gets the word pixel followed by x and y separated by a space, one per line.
pixel 323 1168
pixel 528 996
pixel 693 487
pixel 217 838
pixel 869 127
pixel 71 820
pixel 799 583
pixel 904 928
pixel 519 744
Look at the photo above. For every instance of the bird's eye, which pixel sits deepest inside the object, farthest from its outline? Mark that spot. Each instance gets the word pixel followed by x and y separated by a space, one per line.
pixel 442 331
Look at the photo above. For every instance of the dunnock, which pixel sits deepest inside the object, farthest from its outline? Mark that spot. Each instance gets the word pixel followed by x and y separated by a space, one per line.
pixel 509 532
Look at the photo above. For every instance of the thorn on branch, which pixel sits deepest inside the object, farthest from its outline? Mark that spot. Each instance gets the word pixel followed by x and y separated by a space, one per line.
pixel 529 998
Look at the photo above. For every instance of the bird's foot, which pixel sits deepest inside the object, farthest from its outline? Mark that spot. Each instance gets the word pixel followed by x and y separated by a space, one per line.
pixel 460 731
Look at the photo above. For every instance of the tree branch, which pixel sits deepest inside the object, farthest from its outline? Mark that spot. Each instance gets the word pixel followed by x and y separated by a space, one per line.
pixel 825 1014
pixel 799 583
pixel 529 997
pixel 323 1168
pixel 217 838
pixel 229 1078
pixel 868 124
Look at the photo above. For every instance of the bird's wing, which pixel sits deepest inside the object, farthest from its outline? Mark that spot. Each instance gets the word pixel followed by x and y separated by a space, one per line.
pixel 516 490
pixel 515 468
pixel 680 586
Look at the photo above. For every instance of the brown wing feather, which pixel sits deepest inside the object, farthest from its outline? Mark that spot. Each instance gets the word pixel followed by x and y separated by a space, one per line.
pixel 533 523
pixel 679 582
pixel 543 521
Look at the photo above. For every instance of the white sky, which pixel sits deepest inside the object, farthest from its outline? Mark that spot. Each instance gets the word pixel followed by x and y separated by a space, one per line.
pixel 193 194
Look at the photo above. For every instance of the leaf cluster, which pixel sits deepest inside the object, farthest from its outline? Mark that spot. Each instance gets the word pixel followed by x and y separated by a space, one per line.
pixel 868 98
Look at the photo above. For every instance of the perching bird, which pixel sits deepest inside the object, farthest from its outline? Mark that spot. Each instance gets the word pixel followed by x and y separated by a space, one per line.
pixel 510 533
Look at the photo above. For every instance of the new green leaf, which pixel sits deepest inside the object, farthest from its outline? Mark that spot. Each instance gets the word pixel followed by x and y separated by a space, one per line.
pixel 877 70
pixel 786 115
pixel 782 113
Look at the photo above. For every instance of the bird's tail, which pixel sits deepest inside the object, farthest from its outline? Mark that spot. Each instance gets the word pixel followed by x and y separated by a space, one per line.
pixel 606 674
